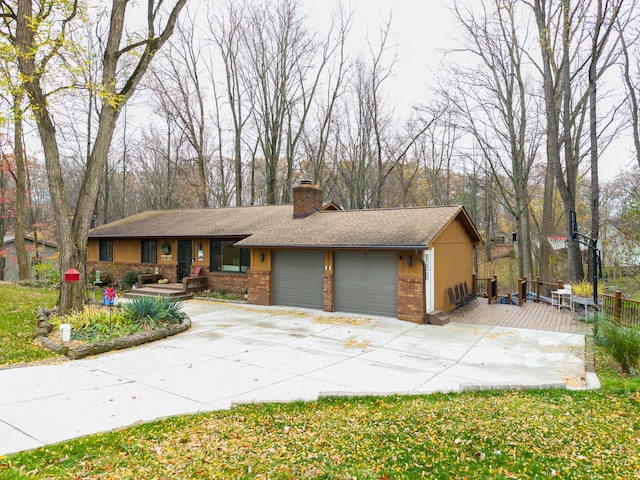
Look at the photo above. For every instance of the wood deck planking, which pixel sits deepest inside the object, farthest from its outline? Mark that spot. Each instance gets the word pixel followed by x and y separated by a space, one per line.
pixel 536 316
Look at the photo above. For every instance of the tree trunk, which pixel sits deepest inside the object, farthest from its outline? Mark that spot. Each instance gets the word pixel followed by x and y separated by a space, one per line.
pixel 565 187
pixel 73 226
pixel 24 273
pixel 547 223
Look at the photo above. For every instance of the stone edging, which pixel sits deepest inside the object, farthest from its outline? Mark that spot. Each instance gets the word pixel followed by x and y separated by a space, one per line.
pixel 44 327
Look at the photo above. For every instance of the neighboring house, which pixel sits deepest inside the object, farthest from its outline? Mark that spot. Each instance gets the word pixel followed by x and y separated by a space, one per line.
pixel 618 249
pixel 393 262
pixel 44 253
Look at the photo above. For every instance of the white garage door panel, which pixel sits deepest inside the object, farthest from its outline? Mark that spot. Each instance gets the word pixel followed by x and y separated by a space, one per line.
pixel 297 278
pixel 366 282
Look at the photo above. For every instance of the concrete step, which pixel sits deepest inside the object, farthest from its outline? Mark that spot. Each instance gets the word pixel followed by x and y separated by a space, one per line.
pixel 438 318
pixel 159 292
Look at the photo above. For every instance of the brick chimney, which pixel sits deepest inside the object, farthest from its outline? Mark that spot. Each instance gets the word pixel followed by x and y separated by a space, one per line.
pixel 307 199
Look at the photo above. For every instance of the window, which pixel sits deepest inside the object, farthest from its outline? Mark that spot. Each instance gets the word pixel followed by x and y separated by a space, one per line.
pixel 227 258
pixel 106 250
pixel 149 251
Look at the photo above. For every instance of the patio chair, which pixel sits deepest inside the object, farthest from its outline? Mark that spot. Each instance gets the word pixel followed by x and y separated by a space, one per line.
pixel 452 299
pixel 468 295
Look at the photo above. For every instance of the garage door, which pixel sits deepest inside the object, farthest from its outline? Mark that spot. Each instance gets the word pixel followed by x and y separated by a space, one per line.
pixel 297 278
pixel 366 282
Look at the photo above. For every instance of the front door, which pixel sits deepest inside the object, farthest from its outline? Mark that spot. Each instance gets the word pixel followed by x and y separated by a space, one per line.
pixel 184 259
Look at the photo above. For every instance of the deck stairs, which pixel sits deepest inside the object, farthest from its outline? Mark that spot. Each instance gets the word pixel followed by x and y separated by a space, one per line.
pixel 437 317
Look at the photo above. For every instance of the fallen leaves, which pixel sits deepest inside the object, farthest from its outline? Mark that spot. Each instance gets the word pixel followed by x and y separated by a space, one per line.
pixel 472 435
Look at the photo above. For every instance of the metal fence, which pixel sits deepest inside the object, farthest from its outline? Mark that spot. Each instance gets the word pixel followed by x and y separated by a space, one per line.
pixel 624 310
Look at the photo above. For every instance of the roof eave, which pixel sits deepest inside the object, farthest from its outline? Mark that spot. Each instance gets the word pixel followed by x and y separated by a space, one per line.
pixel 334 246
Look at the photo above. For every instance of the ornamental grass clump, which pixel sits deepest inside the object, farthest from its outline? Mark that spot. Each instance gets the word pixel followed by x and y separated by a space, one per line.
pixel 148 312
pixel 96 325
pixel 585 289
pixel 622 342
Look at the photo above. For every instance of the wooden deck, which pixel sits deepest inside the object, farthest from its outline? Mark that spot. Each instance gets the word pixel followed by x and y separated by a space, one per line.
pixel 535 316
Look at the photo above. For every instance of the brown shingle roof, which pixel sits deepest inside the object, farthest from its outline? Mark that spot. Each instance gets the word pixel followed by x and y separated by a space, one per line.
pixel 274 226
pixel 203 222
pixel 380 228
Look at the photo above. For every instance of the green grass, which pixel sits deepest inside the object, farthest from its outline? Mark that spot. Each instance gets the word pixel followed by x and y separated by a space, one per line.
pixel 18 305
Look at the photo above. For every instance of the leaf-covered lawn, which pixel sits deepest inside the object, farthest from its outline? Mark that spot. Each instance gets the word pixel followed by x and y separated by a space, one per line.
pixel 18 305
pixel 540 434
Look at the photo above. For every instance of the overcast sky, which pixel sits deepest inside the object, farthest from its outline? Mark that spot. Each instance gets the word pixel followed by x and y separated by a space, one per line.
pixel 422 31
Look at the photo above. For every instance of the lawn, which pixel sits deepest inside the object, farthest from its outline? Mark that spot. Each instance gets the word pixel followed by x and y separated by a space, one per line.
pixel 18 305
pixel 512 434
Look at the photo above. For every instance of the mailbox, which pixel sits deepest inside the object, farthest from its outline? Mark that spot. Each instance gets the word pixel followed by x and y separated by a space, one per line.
pixel 72 275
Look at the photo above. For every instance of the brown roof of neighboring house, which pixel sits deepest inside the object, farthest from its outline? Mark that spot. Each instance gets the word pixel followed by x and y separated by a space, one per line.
pixel 274 226
pixel 11 239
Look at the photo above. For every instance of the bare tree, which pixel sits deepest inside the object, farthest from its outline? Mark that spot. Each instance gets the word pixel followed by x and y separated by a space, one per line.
pixel 556 31
pixel 228 30
pixel 286 59
pixel 629 33
pixel 13 95
pixel 602 56
pixel 34 62
pixel 498 106
pixel 179 84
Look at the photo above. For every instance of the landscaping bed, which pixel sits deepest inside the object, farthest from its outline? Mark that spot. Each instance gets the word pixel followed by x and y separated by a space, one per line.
pixel 102 340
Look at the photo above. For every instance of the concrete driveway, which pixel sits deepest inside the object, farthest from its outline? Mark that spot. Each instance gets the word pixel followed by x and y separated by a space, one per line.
pixel 235 353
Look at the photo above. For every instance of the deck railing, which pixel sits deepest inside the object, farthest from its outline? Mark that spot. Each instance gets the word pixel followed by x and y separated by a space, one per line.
pixel 527 290
pixel 624 310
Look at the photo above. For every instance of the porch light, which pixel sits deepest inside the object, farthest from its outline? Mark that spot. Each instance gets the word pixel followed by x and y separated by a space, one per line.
pixel 409 260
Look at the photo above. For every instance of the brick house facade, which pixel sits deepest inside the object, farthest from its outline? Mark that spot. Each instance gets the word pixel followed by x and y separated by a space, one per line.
pixel 392 262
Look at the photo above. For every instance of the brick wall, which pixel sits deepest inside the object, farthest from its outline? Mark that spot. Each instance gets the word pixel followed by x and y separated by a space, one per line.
pixel 410 300
pixel 327 294
pixel 118 270
pixel 231 282
pixel 259 287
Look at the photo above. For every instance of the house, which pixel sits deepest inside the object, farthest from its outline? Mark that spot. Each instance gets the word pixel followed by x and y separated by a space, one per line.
pixel 617 248
pixel 38 253
pixel 396 262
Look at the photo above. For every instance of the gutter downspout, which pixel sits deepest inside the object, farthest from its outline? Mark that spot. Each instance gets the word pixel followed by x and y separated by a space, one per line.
pixel 424 286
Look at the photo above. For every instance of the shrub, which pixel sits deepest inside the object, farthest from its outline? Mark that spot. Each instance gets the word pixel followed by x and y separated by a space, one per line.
pixel 147 312
pixel 622 341
pixel 173 310
pixel 94 325
pixel 45 272
pixel 130 278
pixel 105 278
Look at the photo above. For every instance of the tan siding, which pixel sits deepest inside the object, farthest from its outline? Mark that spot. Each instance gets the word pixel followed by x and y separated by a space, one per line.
pixel 259 264
pixel 126 251
pixel 453 256
pixel 93 250
pixel 414 271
